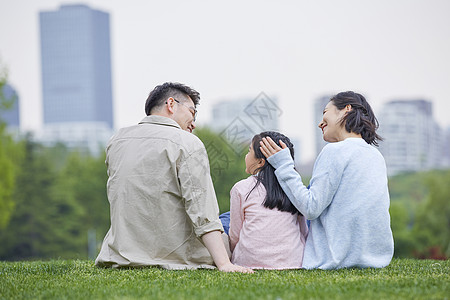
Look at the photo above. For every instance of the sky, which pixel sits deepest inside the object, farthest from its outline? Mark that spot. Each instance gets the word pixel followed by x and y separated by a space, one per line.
pixel 295 51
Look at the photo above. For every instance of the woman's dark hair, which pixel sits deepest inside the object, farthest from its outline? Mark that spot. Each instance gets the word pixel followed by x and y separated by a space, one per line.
pixel 160 93
pixel 360 119
pixel 275 196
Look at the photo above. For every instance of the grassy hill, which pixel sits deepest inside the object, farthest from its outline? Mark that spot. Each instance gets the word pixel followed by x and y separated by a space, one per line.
pixel 76 279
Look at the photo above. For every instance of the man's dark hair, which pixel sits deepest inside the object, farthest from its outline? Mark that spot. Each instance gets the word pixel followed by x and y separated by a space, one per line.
pixel 162 92
pixel 275 196
pixel 360 119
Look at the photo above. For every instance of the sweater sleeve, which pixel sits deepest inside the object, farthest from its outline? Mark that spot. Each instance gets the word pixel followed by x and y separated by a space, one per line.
pixel 324 183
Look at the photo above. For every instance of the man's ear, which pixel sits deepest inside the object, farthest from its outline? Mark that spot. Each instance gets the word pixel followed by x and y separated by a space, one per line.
pixel 170 103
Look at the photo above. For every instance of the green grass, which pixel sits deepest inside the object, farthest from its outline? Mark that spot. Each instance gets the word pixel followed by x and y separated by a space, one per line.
pixel 76 279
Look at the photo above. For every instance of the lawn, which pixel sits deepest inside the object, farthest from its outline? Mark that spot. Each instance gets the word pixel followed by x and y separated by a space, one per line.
pixel 77 279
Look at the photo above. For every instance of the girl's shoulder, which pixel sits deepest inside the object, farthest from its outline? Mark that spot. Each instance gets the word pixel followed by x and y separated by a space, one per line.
pixel 244 185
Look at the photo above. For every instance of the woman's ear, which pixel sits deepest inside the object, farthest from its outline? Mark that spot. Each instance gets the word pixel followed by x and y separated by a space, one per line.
pixel 348 107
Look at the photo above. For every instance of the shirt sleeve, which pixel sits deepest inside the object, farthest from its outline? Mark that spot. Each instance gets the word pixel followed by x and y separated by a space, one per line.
pixel 236 217
pixel 198 193
pixel 324 183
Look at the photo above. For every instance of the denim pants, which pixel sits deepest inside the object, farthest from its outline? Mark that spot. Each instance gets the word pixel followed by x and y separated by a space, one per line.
pixel 225 219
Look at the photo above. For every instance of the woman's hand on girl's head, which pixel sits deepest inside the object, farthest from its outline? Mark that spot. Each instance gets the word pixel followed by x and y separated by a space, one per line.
pixel 269 147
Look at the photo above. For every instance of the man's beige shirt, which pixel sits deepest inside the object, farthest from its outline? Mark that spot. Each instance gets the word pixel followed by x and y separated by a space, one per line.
pixel 161 196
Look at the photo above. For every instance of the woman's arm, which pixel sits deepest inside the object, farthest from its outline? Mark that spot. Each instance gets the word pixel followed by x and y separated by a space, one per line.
pixel 326 177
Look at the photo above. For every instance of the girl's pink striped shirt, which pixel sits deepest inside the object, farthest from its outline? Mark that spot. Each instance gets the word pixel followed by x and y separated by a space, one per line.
pixel 263 238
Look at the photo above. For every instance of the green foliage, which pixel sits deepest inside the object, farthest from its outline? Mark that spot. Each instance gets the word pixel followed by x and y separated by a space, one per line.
pixel 400 220
pixel 227 167
pixel 45 221
pixel 409 188
pixel 60 195
pixel 432 226
pixel 420 214
pixel 85 178
pixel 10 155
pixel 403 278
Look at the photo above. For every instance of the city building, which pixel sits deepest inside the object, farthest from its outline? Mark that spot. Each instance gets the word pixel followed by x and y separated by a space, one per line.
pixel 319 106
pixel 413 141
pixel 76 77
pixel 9 112
pixel 446 149
pixel 239 120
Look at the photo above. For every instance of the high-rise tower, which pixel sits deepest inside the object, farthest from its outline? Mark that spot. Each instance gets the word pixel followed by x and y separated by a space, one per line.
pixel 413 140
pixel 76 75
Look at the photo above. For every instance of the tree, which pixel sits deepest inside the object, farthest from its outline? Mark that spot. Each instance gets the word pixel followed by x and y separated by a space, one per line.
pixel 432 224
pixel 46 221
pixel 400 220
pixel 227 167
pixel 10 155
pixel 85 178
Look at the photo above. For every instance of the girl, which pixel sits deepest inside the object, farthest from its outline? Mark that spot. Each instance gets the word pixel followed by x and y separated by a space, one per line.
pixel 348 198
pixel 266 230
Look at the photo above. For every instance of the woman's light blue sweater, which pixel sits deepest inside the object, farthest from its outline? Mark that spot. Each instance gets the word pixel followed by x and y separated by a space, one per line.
pixel 347 203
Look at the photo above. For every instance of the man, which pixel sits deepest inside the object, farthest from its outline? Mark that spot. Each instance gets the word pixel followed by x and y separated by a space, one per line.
pixel 163 206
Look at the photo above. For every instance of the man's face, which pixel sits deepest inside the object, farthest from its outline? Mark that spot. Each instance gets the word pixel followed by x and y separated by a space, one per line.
pixel 185 114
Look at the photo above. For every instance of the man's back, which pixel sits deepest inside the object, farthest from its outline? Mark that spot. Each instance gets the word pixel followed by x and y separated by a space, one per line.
pixel 161 197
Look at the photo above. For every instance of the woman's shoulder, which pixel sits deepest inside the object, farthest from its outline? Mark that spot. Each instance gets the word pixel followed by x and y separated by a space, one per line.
pixel 346 146
pixel 337 154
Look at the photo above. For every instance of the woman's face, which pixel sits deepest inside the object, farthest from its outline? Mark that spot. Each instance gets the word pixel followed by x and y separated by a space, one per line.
pixel 251 162
pixel 332 130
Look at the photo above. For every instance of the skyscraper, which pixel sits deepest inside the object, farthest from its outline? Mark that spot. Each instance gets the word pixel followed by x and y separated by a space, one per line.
pixel 239 120
pixel 446 149
pixel 10 114
pixel 76 75
pixel 413 141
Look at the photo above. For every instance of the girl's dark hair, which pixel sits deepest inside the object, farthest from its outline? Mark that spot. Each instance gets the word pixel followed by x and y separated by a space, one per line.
pixel 275 196
pixel 360 119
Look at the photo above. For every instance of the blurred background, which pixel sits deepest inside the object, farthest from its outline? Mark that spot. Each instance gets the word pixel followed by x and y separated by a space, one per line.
pixel 72 73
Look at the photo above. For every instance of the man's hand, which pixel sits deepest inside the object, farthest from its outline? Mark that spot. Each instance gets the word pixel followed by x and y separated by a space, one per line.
pixel 229 267
pixel 269 147
pixel 214 243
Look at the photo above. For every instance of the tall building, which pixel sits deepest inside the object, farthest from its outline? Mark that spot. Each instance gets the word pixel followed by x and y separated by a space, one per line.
pixel 319 106
pixel 239 120
pixel 413 141
pixel 9 108
pixel 76 76
pixel 446 148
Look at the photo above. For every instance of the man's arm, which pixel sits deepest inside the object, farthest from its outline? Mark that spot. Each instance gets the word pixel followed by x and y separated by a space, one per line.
pixel 202 208
pixel 214 243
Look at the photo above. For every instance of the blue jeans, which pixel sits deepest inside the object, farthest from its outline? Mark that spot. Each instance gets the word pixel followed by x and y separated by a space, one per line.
pixel 225 219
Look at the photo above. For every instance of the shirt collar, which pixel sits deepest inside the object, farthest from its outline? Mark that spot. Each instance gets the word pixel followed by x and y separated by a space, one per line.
pixel 159 120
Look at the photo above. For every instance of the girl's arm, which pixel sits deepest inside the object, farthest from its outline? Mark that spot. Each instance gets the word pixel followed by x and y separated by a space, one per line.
pixel 236 217
pixel 326 177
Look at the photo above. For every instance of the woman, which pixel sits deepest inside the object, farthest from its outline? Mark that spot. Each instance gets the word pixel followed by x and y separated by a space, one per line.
pixel 348 198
